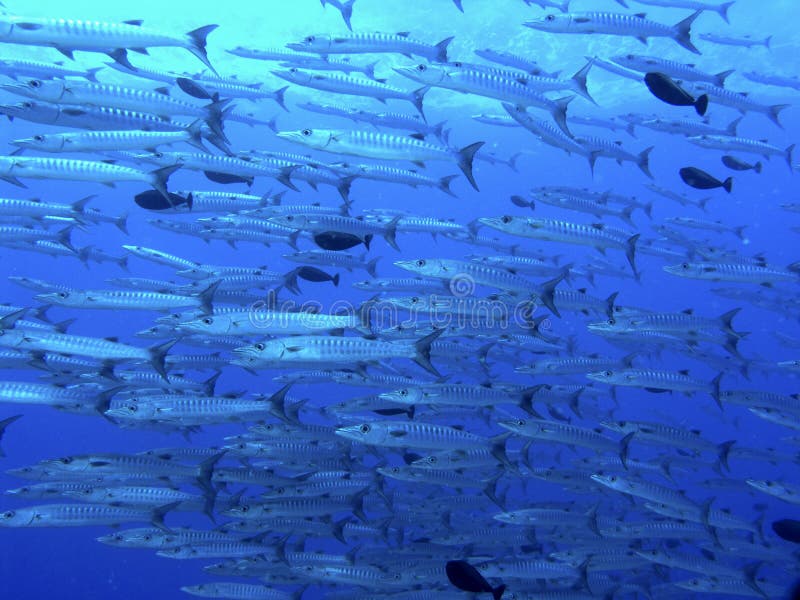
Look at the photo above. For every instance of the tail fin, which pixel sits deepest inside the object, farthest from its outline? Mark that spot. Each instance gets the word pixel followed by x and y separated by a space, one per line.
pixel 465 157
pixel 683 32
pixel 768 41
pixel 158 514
pixel 715 390
pixel 579 81
pixel 423 352
pixel 346 9
pixel 390 233
pixel 757 167
pixel 444 185
pixel 3 426
pixel 547 294
pixel 195 131
pixel 370 266
pixel 91 74
pixel 157 355
pixel 720 77
pixel 206 297
pixel 701 105
pixel 197 44
pixel 159 178
pixel 560 113
pixel 441 49
pixel 416 98
pixel 215 112
pixel 788 154
pixel 728 184
pixel 722 9
pixel 643 161
pixel 630 251
pixel 458 5
pixel 278 96
pixel 497 593
pixel 733 126
pixel 774 113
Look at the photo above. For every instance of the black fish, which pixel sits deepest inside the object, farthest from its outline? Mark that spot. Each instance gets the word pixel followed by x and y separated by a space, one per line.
pixel 227 178
pixel 787 529
pixel 521 202
pixel 3 425
pixel 153 200
pixel 467 578
pixel 335 240
pixel 316 275
pixel 701 180
pixel 666 90
pixel 739 165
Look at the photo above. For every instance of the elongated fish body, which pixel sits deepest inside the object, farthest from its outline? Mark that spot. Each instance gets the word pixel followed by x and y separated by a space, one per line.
pixel 490 85
pixel 73 515
pixel 597 235
pixel 776 80
pixel 16 68
pixel 744 42
pixel 395 434
pixel 394 175
pixel 738 100
pixel 672 68
pixel 240 591
pixel 595 146
pixel 721 9
pixel 617 24
pixel 123 299
pixel 354 87
pixel 14 392
pixel 367 43
pixel 320 350
pixel 376 145
pixel 743 273
pixel 14 167
pixel 259 323
pixel 739 144
pixel 101 94
pixel 514 61
pixel 113 39
pixel 96 118
pixel 657 381
pixel 689 128
pixel 102 141
pixel 545 131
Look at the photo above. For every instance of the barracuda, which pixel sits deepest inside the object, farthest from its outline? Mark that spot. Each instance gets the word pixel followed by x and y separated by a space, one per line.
pixel 490 85
pixel 598 235
pixel 131 299
pixel 617 24
pixel 673 68
pixel 14 167
pixel 398 43
pixel 370 144
pixel 115 96
pixel 314 351
pixel 114 39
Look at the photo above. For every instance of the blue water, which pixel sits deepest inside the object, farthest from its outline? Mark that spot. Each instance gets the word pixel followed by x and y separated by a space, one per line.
pixel 69 564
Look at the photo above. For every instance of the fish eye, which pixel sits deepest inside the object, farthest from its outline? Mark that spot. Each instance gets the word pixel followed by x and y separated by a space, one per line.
pixel 550 18
pixel 244 508
pixel 35 83
pixel 608 373
pixel 65 460
pixel 458 63
pixel 159 155
pixel 404 392
pixel 290 218
pixel 8 514
pixel 414 300
pixel 259 346
pixel 364 428
pixel 685 266
pixel 422 68
pixel 506 219
pixel 520 423
pixel 293 70
pixel 208 321
pixel 62 294
pixel 309 39
pixel 612 321
pixel 38 138
pixel 147 537
pixel 306 132
pixel 630 57
pixel 133 408
pixel 612 478
pixel 420 263
pixel 433 460
pixel 27 105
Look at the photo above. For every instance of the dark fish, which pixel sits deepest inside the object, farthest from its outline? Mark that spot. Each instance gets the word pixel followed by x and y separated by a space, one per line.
pixel 316 275
pixel 521 202
pixel 4 425
pixel 739 165
pixel 227 178
pixel 192 88
pixel 153 200
pixel 701 180
pixel 467 578
pixel 787 529
pixel 666 90
pixel 334 240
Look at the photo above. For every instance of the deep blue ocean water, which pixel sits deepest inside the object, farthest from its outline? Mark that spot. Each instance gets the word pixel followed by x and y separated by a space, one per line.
pixel 70 564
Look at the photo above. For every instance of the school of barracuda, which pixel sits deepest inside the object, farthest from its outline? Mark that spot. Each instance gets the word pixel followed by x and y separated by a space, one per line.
pixel 370 496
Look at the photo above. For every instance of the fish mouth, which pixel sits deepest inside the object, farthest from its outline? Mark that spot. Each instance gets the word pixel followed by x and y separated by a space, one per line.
pixel 296 46
pixel 292 136
pixel 22 142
